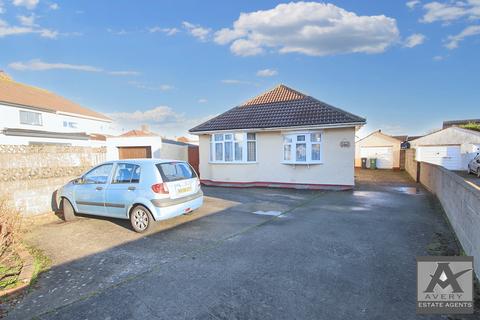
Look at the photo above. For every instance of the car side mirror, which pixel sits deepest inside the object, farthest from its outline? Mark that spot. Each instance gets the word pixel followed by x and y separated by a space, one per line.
pixel 78 181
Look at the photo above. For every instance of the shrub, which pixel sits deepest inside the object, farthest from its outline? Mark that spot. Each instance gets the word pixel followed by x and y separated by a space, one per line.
pixel 472 126
pixel 10 264
pixel 10 224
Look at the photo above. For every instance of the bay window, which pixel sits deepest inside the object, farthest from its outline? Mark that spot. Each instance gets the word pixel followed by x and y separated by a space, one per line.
pixel 302 148
pixel 233 147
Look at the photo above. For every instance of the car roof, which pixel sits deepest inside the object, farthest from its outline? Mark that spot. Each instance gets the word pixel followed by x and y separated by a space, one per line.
pixel 145 161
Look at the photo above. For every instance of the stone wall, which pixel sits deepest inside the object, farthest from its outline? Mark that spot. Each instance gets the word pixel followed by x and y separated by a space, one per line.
pixel 459 199
pixel 30 174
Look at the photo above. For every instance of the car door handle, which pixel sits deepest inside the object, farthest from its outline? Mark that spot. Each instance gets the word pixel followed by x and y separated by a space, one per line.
pixel 131 188
pixel 99 188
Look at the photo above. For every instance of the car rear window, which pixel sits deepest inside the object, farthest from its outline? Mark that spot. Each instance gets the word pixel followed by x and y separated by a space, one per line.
pixel 175 171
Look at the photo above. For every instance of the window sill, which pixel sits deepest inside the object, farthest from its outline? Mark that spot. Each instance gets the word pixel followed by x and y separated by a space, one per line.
pixel 302 163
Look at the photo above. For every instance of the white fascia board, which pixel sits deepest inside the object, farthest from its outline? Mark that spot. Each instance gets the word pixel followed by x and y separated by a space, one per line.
pixel 328 126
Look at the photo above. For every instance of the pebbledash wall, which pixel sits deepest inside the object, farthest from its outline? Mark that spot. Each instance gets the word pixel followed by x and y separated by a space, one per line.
pixel 459 199
pixel 30 174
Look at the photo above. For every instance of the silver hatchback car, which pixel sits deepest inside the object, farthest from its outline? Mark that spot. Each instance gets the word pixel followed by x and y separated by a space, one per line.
pixel 142 190
pixel 474 165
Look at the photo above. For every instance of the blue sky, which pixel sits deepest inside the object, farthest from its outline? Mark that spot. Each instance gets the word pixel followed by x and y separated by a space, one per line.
pixel 404 65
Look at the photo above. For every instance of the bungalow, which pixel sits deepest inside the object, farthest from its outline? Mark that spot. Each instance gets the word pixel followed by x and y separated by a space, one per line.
pixel 32 115
pixel 281 138
pixel 451 148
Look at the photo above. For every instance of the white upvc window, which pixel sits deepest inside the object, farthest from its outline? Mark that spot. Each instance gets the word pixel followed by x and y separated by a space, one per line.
pixel 302 147
pixel 235 147
pixel 31 118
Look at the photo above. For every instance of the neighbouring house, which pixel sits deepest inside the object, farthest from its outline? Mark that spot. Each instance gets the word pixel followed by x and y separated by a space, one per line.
pixel 451 148
pixel 187 140
pixel 459 123
pixel 144 143
pixel 281 138
pixel 385 148
pixel 32 115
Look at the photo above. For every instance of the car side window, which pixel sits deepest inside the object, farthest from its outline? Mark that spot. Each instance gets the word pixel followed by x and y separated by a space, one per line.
pixel 127 173
pixel 98 175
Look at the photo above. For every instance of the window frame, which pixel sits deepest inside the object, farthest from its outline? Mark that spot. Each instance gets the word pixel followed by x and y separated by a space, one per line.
pixel 291 139
pixel 232 135
pixel 116 170
pixel 91 170
pixel 27 112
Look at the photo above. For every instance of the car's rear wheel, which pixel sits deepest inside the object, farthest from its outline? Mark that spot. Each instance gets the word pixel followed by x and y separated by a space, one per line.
pixel 68 210
pixel 140 218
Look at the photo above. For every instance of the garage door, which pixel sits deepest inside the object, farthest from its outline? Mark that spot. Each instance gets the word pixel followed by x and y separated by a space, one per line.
pixel 448 157
pixel 134 152
pixel 384 156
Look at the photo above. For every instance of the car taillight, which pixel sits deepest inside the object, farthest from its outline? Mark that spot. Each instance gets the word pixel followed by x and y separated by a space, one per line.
pixel 160 188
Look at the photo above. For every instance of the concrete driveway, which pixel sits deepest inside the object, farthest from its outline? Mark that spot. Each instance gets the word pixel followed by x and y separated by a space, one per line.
pixel 328 255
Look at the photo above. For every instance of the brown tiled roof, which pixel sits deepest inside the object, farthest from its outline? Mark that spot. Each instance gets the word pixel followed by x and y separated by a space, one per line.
pixel 138 133
pixel 12 92
pixel 278 108
pixel 280 93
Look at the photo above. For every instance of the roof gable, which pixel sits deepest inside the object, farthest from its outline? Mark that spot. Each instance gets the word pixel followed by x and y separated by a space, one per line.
pixel 450 135
pixel 281 107
pixel 15 93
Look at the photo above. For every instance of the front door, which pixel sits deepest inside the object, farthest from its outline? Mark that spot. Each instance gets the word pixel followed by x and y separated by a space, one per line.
pixel 121 193
pixel 90 193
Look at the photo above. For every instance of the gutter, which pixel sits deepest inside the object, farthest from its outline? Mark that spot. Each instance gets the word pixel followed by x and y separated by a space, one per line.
pixel 290 128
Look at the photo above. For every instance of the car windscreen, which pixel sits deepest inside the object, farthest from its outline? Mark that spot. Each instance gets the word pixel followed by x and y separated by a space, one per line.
pixel 175 171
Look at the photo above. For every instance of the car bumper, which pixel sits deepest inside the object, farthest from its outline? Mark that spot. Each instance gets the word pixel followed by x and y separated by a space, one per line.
pixel 174 210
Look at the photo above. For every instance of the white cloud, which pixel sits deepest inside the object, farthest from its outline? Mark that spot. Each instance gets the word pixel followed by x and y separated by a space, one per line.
pixel 202 100
pixel 453 41
pixel 197 31
pixel 54 6
pixel 2 9
pixel 267 73
pixel 414 40
pixel 9 30
pixel 162 120
pixel 310 28
pixel 162 87
pixel 412 4
pixel 167 31
pixel 235 81
pixel 38 65
pixel 124 73
pixel 451 11
pixel 29 4
pixel 438 58
pixel 28 21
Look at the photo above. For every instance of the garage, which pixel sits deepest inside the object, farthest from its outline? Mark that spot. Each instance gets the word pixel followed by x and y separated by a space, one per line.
pixel 449 157
pixel 384 156
pixel 134 152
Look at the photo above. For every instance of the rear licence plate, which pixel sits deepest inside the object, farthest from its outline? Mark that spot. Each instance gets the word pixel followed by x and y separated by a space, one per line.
pixel 184 189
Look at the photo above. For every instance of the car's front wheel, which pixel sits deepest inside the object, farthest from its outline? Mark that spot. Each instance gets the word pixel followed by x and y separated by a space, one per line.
pixel 68 210
pixel 140 218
